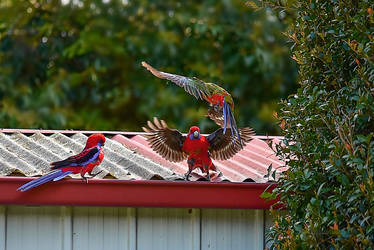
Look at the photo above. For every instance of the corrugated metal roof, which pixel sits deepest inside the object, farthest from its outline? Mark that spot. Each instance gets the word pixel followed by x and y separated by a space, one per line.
pixel 127 156
pixel 250 164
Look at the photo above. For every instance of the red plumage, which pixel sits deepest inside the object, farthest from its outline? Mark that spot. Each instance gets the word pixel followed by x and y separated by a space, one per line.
pixel 199 150
pixel 87 168
pixel 90 166
pixel 217 99
pixel 91 141
pixel 82 163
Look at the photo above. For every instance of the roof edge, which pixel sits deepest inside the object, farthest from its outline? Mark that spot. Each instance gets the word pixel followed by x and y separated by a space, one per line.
pixel 71 131
pixel 134 193
pixel 64 131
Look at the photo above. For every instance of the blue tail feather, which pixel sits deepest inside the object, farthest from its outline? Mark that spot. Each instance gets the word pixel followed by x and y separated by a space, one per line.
pixel 235 128
pixel 225 116
pixel 232 130
pixel 227 112
pixel 41 180
pixel 63 175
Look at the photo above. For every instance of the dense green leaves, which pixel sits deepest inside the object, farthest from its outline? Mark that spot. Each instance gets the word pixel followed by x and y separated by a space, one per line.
pixel 77 64
pixel 328 127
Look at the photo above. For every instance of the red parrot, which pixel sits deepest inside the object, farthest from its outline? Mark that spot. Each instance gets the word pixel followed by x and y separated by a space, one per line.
pixel 197 148
pixel 82 163
pixel 221 109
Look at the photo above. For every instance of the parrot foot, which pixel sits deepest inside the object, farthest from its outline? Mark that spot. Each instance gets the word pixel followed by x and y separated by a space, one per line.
pixel 190 163
pixel 85 179
pixel 187 175
pixel 207 172
pixel 219 173
pixel 90 176
pixel 208 177
pixel 94 175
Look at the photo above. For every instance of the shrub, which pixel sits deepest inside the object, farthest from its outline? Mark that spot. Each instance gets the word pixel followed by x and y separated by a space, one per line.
pixel 328 127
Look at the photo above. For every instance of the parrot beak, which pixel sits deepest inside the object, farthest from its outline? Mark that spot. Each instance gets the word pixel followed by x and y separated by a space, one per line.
pixel 196 134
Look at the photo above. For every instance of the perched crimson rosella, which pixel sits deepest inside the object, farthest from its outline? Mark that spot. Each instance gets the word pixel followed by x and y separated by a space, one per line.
pixel 199 150
pixel 221 109
pixel 82 163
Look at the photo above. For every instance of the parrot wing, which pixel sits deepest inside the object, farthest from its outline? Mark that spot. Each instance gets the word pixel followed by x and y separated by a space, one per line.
pixel 86 156
pixel 224 117
pixel 215 113
pixel 222 147
pixel 194 86
pixel 165 141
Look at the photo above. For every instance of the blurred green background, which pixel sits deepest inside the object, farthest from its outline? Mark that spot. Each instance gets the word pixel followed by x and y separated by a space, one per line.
pixel 76 64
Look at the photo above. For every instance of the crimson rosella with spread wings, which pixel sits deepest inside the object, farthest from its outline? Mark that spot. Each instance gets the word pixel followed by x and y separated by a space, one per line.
pixel 199 150
pixel 221 109
pixel 82 163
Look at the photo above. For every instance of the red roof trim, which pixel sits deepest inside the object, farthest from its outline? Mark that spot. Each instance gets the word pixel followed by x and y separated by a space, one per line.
pixel 73 192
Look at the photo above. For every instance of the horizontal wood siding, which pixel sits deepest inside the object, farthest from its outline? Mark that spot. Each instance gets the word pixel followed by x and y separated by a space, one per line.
pixel 121 228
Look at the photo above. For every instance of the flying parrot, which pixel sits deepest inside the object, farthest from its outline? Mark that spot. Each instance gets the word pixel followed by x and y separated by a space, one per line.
pixel 82 163
pixel 221 109
pixel 199 150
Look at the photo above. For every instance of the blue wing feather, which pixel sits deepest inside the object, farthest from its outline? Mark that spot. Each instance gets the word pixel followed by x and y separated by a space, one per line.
pixel 86 156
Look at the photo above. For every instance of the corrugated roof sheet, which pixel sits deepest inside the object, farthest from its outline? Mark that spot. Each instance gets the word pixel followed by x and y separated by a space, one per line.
pixel 127 156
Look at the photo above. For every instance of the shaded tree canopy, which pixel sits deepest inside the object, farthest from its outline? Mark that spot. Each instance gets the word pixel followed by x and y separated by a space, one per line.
pixel 76 64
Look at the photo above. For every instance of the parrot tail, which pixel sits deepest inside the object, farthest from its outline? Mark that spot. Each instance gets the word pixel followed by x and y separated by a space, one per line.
pixel 224 116
pixel 55 176
pixel 234 129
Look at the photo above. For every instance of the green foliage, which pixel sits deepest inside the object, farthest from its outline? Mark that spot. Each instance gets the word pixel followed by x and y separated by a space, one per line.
pixel 77 65
pixel 328 126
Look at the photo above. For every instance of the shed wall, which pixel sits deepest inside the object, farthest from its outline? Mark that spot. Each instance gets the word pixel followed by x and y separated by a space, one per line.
pixel 96 228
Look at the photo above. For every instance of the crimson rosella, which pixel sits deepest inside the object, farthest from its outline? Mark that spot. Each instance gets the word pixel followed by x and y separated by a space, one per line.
pixel 82 163
pixel 221 109
pixel 195 147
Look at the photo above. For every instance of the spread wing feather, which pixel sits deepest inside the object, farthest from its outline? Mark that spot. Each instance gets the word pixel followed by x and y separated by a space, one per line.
pixel 222 147
pixel 215 113
pixel 193 86
pixel 165 141
pixel 224 117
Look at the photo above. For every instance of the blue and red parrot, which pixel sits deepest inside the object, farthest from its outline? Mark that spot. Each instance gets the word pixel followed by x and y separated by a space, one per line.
pixel 84 162
pixel 199 150
pixel 221 109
